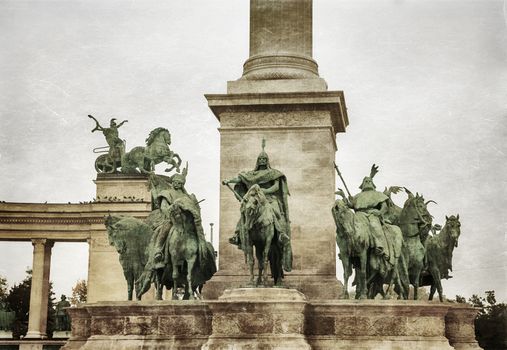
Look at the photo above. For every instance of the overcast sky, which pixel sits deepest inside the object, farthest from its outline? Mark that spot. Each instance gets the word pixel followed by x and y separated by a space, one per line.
pixel 425 84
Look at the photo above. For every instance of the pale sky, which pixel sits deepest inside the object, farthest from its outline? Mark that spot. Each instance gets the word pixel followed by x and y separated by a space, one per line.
pixel 425 84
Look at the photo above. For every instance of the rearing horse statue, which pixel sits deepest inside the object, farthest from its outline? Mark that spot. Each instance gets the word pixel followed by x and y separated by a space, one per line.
pixel 156 151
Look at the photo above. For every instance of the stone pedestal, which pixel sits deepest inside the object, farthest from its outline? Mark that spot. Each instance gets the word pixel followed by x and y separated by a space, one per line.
pixel 373 325
pixel 121 187
pixel 300 131
pixel 140 325
pixel 272 318
pixel 258 318
pixel 460 327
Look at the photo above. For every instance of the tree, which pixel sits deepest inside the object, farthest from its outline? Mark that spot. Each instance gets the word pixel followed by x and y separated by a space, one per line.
pixel 491 322
pixel 18 300
pixel 3 291
pixel 79 293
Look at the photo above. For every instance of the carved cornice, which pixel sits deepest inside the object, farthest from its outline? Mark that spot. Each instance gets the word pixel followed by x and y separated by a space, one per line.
pixel 50 220
pixel 26 220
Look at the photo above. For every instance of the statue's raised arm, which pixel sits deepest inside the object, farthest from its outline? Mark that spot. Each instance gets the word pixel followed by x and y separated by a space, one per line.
pixel 97 125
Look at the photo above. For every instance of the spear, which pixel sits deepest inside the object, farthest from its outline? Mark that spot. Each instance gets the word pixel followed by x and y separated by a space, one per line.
pixel 341 177
pixel 236 194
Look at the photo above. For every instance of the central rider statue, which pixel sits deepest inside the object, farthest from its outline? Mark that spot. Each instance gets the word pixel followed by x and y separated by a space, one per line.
pixel 274 185
pixel 371 208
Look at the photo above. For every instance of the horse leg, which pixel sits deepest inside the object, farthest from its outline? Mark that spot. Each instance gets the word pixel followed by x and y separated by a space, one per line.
pixel 175 276
pixel 158 284
pixel 433 288
pixel 435 273
pixel 362 275
pixel 190 267
pixel 265 254
pixel 250 261
pixel 439 289
pixel 347 272
pixel 260 264
pixel 130 287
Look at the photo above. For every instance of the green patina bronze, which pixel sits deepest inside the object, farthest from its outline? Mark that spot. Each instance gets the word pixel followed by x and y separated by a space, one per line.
pixel 144 159
pixel 415 222
pixel 386 244
pixel 139 159
pixel 370 238
pixel 110 162
pixel 62 317
pixel 264 221
pixel 439 249
pixel 168 248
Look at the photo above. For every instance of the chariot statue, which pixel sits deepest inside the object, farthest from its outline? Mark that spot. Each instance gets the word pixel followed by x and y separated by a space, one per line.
pixel 111 159
pixel 140 159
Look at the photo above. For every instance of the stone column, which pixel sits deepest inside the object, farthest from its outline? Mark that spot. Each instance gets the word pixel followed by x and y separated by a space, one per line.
pixel 280 97
pixel 40 288
pixel 280 49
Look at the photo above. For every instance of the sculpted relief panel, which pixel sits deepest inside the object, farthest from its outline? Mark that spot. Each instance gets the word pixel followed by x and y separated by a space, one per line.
pixel 275 119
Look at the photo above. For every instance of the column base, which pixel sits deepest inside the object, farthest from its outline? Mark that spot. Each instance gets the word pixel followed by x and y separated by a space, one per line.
pixel 35 335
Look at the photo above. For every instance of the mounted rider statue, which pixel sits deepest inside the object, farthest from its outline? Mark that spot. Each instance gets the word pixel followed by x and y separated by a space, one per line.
pixel 273 184
pixel 371 208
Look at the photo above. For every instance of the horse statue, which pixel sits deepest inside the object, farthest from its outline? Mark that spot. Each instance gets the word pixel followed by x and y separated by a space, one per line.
pixel 156 151
pixel 258 230
pixel 130 237
pixel 187 260
pixel 439 249
pixel 187 248
pixel 354 241
pixel 134 239
pixel 353 248
pixel 415 223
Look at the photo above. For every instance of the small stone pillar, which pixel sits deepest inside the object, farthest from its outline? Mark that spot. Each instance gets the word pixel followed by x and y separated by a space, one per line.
pixel 37 318
pixel 460 327
pixel 116 187
pixel 258 318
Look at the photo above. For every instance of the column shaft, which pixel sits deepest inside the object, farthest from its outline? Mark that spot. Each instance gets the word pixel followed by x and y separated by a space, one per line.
pixel 37 318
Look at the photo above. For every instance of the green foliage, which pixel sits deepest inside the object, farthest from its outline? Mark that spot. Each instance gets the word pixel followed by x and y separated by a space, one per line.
pixel 491 322
pixel 3 291
pixel 79 293
pixel 18 300
pixel 460 299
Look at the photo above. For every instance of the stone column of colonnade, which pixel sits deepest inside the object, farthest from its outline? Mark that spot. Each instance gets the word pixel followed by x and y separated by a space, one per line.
pixel 37 319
